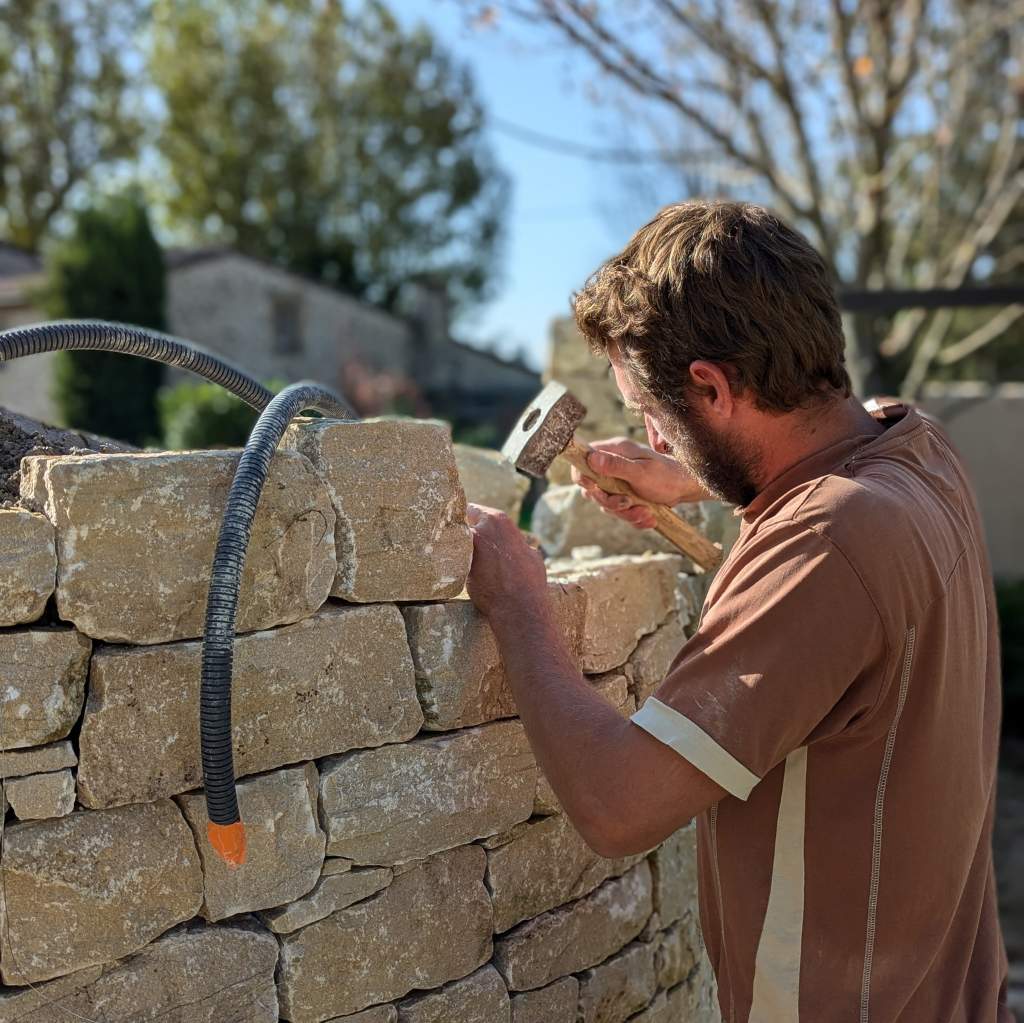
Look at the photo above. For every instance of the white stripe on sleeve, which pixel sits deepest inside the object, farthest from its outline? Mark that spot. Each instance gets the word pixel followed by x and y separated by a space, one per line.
pixel 689 740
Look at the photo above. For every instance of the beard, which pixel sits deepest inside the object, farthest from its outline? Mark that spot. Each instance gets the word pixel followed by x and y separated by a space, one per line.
pixel 726 468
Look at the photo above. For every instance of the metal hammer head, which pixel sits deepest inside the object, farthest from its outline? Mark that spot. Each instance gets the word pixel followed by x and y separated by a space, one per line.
pixel 544 429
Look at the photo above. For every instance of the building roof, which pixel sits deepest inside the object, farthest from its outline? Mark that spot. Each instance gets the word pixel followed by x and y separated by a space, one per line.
pixel 15 262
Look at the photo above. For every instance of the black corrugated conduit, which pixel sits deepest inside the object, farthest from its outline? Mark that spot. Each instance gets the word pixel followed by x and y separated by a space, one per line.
pixel 66 335
pixel 226 829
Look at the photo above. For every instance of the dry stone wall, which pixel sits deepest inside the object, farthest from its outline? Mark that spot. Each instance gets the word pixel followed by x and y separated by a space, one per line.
pixel 407 861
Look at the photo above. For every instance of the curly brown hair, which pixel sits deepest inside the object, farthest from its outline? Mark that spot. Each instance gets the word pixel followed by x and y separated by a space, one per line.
pixel 727 282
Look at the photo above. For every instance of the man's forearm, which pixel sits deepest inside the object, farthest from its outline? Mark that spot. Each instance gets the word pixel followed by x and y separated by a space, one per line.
pixel 574 731
pixel 623 789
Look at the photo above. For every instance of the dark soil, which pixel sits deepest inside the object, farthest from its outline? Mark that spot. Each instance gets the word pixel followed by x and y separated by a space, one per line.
pixel 21 436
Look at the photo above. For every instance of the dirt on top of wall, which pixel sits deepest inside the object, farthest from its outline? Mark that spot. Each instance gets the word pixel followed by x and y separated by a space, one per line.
pixel 21 436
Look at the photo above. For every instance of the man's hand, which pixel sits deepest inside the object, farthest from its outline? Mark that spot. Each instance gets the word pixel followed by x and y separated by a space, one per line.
pixel 655 477
pixel 507 576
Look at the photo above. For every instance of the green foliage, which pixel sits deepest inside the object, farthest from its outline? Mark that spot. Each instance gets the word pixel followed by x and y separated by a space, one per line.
pixel 203 415
pixel 110 268
pixel 330 142
pixel 63 104
pixel 1010 600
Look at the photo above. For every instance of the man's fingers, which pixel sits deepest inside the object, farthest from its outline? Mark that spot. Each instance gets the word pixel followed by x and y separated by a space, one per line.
pixel 638 517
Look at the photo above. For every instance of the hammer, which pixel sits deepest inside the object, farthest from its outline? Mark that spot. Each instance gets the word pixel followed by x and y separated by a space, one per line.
pixel 547 429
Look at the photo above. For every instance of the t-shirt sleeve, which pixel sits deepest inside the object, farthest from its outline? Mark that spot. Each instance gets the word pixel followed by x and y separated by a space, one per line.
pixel 790 640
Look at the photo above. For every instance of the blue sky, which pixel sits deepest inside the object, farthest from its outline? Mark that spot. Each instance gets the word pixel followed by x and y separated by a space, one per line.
pixel 567 214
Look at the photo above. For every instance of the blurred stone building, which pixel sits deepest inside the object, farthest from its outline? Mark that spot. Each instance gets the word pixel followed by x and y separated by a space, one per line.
pixel 277 325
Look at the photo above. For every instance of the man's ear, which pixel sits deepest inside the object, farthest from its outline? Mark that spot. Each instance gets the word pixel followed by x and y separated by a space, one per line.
pixel 714 384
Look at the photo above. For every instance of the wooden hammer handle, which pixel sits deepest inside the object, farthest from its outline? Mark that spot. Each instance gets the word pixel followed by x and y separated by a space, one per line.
pixel 699 550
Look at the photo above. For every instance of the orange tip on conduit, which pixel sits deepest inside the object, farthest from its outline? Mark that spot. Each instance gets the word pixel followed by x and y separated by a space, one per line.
pixel 228 841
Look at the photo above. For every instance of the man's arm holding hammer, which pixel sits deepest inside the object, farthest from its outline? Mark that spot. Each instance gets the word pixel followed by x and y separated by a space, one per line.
pixel 624 790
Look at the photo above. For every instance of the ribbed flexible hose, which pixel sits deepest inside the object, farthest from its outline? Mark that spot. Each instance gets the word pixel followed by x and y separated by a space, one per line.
pixel 65 335
pixel 226 831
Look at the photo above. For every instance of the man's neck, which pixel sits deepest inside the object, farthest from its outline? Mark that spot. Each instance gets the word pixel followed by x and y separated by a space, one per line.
pixel 791 438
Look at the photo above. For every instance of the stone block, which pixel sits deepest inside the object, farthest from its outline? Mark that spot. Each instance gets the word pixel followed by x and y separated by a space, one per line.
pixel 564 518
pixel 401 511
pixel 679 951
pixel 459 675
pixel 39 796
pixel 555 1003
pixel 490 479
pixel 338 680
pixel 545 865
pixel 614 687
pixel 545 802
pixel 42 683
pixel 621 985
pixel 38 760
pixel 401 803
pixel 576 936
pixel 193 974
pixel 432 924
pixel 479 998
pixel 693 1001
pixel 674 875
pixel 331 893
pixel 653 656
pixel 627 597
pixel 28 565
pixel 94 886
pixel 377 1014
pixel 285 846
pixel 136 535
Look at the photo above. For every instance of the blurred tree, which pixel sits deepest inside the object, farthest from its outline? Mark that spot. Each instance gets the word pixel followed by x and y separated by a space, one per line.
pixel 109 268
pixel 330 142
pixel 64 104
pixel 195 414
pixel 889 131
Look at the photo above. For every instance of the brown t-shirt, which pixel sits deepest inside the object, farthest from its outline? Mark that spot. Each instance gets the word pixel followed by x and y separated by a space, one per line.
pixel 843 687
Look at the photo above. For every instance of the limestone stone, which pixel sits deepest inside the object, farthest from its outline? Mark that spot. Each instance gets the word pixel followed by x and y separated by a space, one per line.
pixel 674 875
pixel 432 924
pixel 38 760
pixel 401 511
pixel 679 950
pixel 192 974
pixel 490 479
pixel 377 1014
pixel 545 865
pixel 42 683
pixel 576 936
pixel 479 998
pixel 545 802
pixel 28 565
pixel 338 680
pixel 621 985
pixel 285 846
pixel 400 803
pixel 653 656
pixel 564 518
pixel 331 893
pixel 627 597
pixel 39 796
pixel 94 886
pixel 136 535
pixel 459 675
pixel 555 1003
pixel 695 1001
pixel 614 687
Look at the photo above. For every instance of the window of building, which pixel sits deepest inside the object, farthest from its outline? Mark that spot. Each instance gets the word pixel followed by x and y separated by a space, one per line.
pixel 287 336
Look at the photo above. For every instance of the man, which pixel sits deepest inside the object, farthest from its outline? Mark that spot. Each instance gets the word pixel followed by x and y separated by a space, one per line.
pixel 834 720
